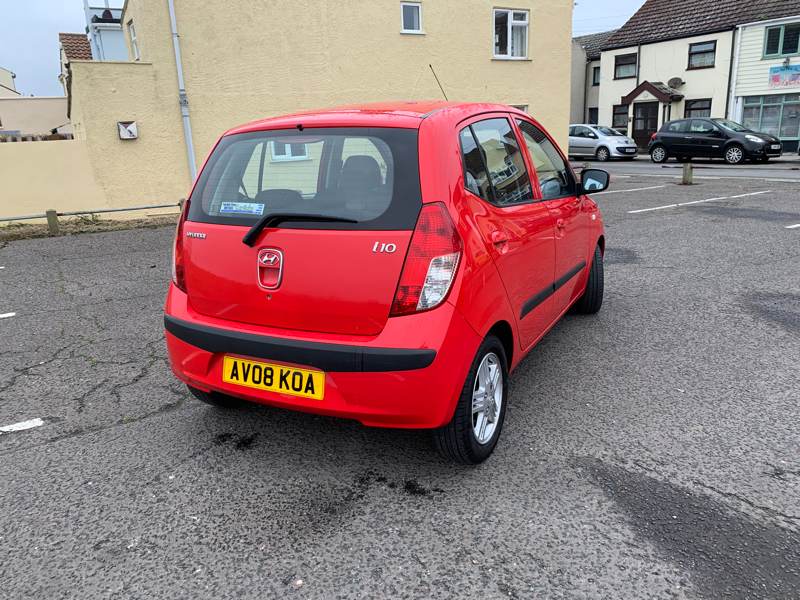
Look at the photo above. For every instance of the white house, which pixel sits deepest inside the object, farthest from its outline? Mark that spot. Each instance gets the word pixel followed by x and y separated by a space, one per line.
pixel 765 87
pixel 674 59
pixel 586 77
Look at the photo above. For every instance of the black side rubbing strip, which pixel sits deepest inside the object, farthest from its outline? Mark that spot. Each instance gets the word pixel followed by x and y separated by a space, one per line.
pixel 327 357
pixel 536 300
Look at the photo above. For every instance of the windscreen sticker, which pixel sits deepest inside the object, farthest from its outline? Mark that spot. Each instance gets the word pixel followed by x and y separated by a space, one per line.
pixel 242 208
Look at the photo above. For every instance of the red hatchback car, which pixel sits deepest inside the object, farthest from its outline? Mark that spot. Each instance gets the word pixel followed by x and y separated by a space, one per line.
pixel 386 263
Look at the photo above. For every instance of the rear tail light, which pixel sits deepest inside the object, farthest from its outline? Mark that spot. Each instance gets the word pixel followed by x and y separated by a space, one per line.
pixel 652 137
pixel 178 258
pixel 431 263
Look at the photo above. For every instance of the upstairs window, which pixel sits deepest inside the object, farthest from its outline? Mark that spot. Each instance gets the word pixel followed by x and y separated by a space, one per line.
pixel 624 66
pixel 510 34
pixel 411 17
pixel 134 42
pixel 596 76
pixel 782 40
pixel 702 55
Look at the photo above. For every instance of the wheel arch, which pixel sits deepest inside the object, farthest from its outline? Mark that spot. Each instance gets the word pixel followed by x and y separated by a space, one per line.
pixel 503 331
pixel 601 241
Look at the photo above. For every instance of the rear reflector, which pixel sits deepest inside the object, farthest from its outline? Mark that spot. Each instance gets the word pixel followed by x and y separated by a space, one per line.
pixel 431 262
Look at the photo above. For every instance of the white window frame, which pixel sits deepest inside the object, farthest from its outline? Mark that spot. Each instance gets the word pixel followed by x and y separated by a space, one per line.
pixel 287 157
pixel 134 43
pixel 418 6
pixel 511 23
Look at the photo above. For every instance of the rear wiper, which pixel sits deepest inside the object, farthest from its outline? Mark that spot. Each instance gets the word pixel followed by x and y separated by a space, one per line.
pixel 278 218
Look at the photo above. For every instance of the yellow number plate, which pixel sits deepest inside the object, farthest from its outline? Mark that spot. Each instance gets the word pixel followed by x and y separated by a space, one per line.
pixel 274 378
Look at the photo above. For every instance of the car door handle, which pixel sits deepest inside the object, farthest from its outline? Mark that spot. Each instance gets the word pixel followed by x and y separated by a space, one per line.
pixel 499 238
pixel 560 223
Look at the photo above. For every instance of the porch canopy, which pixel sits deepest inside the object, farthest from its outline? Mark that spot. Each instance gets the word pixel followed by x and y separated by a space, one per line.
pixel 645 100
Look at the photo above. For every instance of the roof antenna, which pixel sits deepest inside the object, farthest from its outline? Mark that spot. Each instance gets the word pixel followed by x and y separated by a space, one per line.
pixel 439 82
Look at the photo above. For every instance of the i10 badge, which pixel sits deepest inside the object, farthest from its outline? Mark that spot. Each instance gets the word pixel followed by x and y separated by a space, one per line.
pixel 385 248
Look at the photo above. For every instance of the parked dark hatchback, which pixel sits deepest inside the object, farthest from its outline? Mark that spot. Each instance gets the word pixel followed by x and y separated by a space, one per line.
pixel 712 138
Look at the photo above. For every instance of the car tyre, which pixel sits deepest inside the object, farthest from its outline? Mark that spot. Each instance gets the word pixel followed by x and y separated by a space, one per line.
pixel 734 154
pixel 602 154
pixel 471 435
pixel 215 398
pixel 592 299
pixel 658 154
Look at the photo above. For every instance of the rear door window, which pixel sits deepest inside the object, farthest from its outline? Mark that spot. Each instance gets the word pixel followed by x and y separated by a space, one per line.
pixel 555 177
pixel 503 160
pixel 677 127
pixel 368 175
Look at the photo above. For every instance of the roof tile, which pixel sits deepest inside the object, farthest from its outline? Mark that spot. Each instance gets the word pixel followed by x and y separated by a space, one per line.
pixel 76 46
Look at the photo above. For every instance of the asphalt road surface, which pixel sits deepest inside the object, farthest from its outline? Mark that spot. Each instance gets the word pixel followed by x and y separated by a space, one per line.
pixel 651 451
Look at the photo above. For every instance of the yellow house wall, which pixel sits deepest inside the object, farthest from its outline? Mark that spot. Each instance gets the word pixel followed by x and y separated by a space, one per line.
pixel 148 170
pixel 37 176
pixel 294 55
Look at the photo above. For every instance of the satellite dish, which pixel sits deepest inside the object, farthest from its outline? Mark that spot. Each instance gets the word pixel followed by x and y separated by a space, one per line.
pixel 675 83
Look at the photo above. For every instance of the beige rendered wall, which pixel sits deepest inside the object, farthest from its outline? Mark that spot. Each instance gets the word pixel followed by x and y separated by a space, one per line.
pixel 34 115
pixel 148 170
pixel 37 176
pixel 292 56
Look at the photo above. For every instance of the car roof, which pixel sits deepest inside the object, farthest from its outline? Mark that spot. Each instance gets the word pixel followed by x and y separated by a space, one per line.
pixel 405 114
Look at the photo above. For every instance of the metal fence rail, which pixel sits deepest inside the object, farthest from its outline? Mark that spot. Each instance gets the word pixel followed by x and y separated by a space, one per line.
pixel 52 215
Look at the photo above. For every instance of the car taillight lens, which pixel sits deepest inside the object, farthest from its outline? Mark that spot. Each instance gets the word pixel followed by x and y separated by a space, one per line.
pixel 652 137
pixel 178 274
pixel 431 262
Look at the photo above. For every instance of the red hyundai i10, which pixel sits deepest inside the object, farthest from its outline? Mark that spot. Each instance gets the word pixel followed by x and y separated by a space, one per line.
pixel 386 263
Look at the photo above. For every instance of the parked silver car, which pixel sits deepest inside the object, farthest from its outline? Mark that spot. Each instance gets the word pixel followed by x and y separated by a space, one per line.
pixel 601 142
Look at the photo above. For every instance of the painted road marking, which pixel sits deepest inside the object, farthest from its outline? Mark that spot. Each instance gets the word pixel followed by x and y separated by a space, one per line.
pixel 641 210
pixel 793 226
pixel 22 426
pixel 7 315
pixel 653 187
pixel 775 179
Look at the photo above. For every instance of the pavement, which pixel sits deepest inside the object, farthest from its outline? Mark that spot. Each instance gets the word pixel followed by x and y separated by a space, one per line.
pixel 650 451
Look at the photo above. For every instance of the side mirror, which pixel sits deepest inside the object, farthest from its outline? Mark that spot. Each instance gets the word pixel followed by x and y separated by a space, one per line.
pixel 594 180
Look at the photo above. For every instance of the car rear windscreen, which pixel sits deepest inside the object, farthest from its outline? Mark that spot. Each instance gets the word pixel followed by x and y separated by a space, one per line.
pixel 364 174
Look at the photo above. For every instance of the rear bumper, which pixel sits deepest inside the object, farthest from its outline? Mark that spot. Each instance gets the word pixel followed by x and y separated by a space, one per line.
pixel 326 357
pixel 410 375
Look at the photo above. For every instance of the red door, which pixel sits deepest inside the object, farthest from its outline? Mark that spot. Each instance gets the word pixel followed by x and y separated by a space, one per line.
pixel 570 213
pixel 517 229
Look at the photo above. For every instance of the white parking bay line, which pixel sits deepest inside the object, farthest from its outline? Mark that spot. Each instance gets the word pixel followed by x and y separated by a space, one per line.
pixel 22 426
pixel 653 187
pixel 7 315
pixel 641 210
pixel 793 226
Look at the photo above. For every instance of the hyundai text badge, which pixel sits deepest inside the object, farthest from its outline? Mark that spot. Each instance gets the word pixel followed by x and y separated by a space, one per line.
pixel 270 268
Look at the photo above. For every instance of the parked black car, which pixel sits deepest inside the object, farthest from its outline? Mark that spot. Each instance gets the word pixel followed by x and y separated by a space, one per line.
pixel 711 138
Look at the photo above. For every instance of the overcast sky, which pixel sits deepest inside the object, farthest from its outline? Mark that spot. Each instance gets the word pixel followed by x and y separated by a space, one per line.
pixel 29 34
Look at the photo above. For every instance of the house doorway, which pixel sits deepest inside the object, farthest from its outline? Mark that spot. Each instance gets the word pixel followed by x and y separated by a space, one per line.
pixel 645 122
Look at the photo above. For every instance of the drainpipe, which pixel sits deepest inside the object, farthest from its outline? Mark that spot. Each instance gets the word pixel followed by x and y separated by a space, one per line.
pixel 182 97
pixel 733 74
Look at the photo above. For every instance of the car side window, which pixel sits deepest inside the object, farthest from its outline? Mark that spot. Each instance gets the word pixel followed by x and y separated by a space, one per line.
pixel 476 180
pixel 573 131
pixel 677 127
pixel 555 177
pixel 503 160
pixel 701 127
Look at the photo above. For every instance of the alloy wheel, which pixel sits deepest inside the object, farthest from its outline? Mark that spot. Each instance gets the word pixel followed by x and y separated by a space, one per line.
pixel 602 154
pixel 734 155
pixel 659 154
pixel 487 398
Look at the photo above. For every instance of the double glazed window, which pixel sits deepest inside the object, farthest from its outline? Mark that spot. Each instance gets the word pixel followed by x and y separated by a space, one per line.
pixel 782 40
pixel 620 118
pixel 494 167
pixel 510 33
pixel 410 17
pixel 702 55
pixel 595 75
pixel 284 151
pixel 134 42
pixel 624 66
pixel 697 108
pixel 777 115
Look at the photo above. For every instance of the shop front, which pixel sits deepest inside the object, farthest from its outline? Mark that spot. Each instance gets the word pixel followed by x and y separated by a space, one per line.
pixel 775 114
